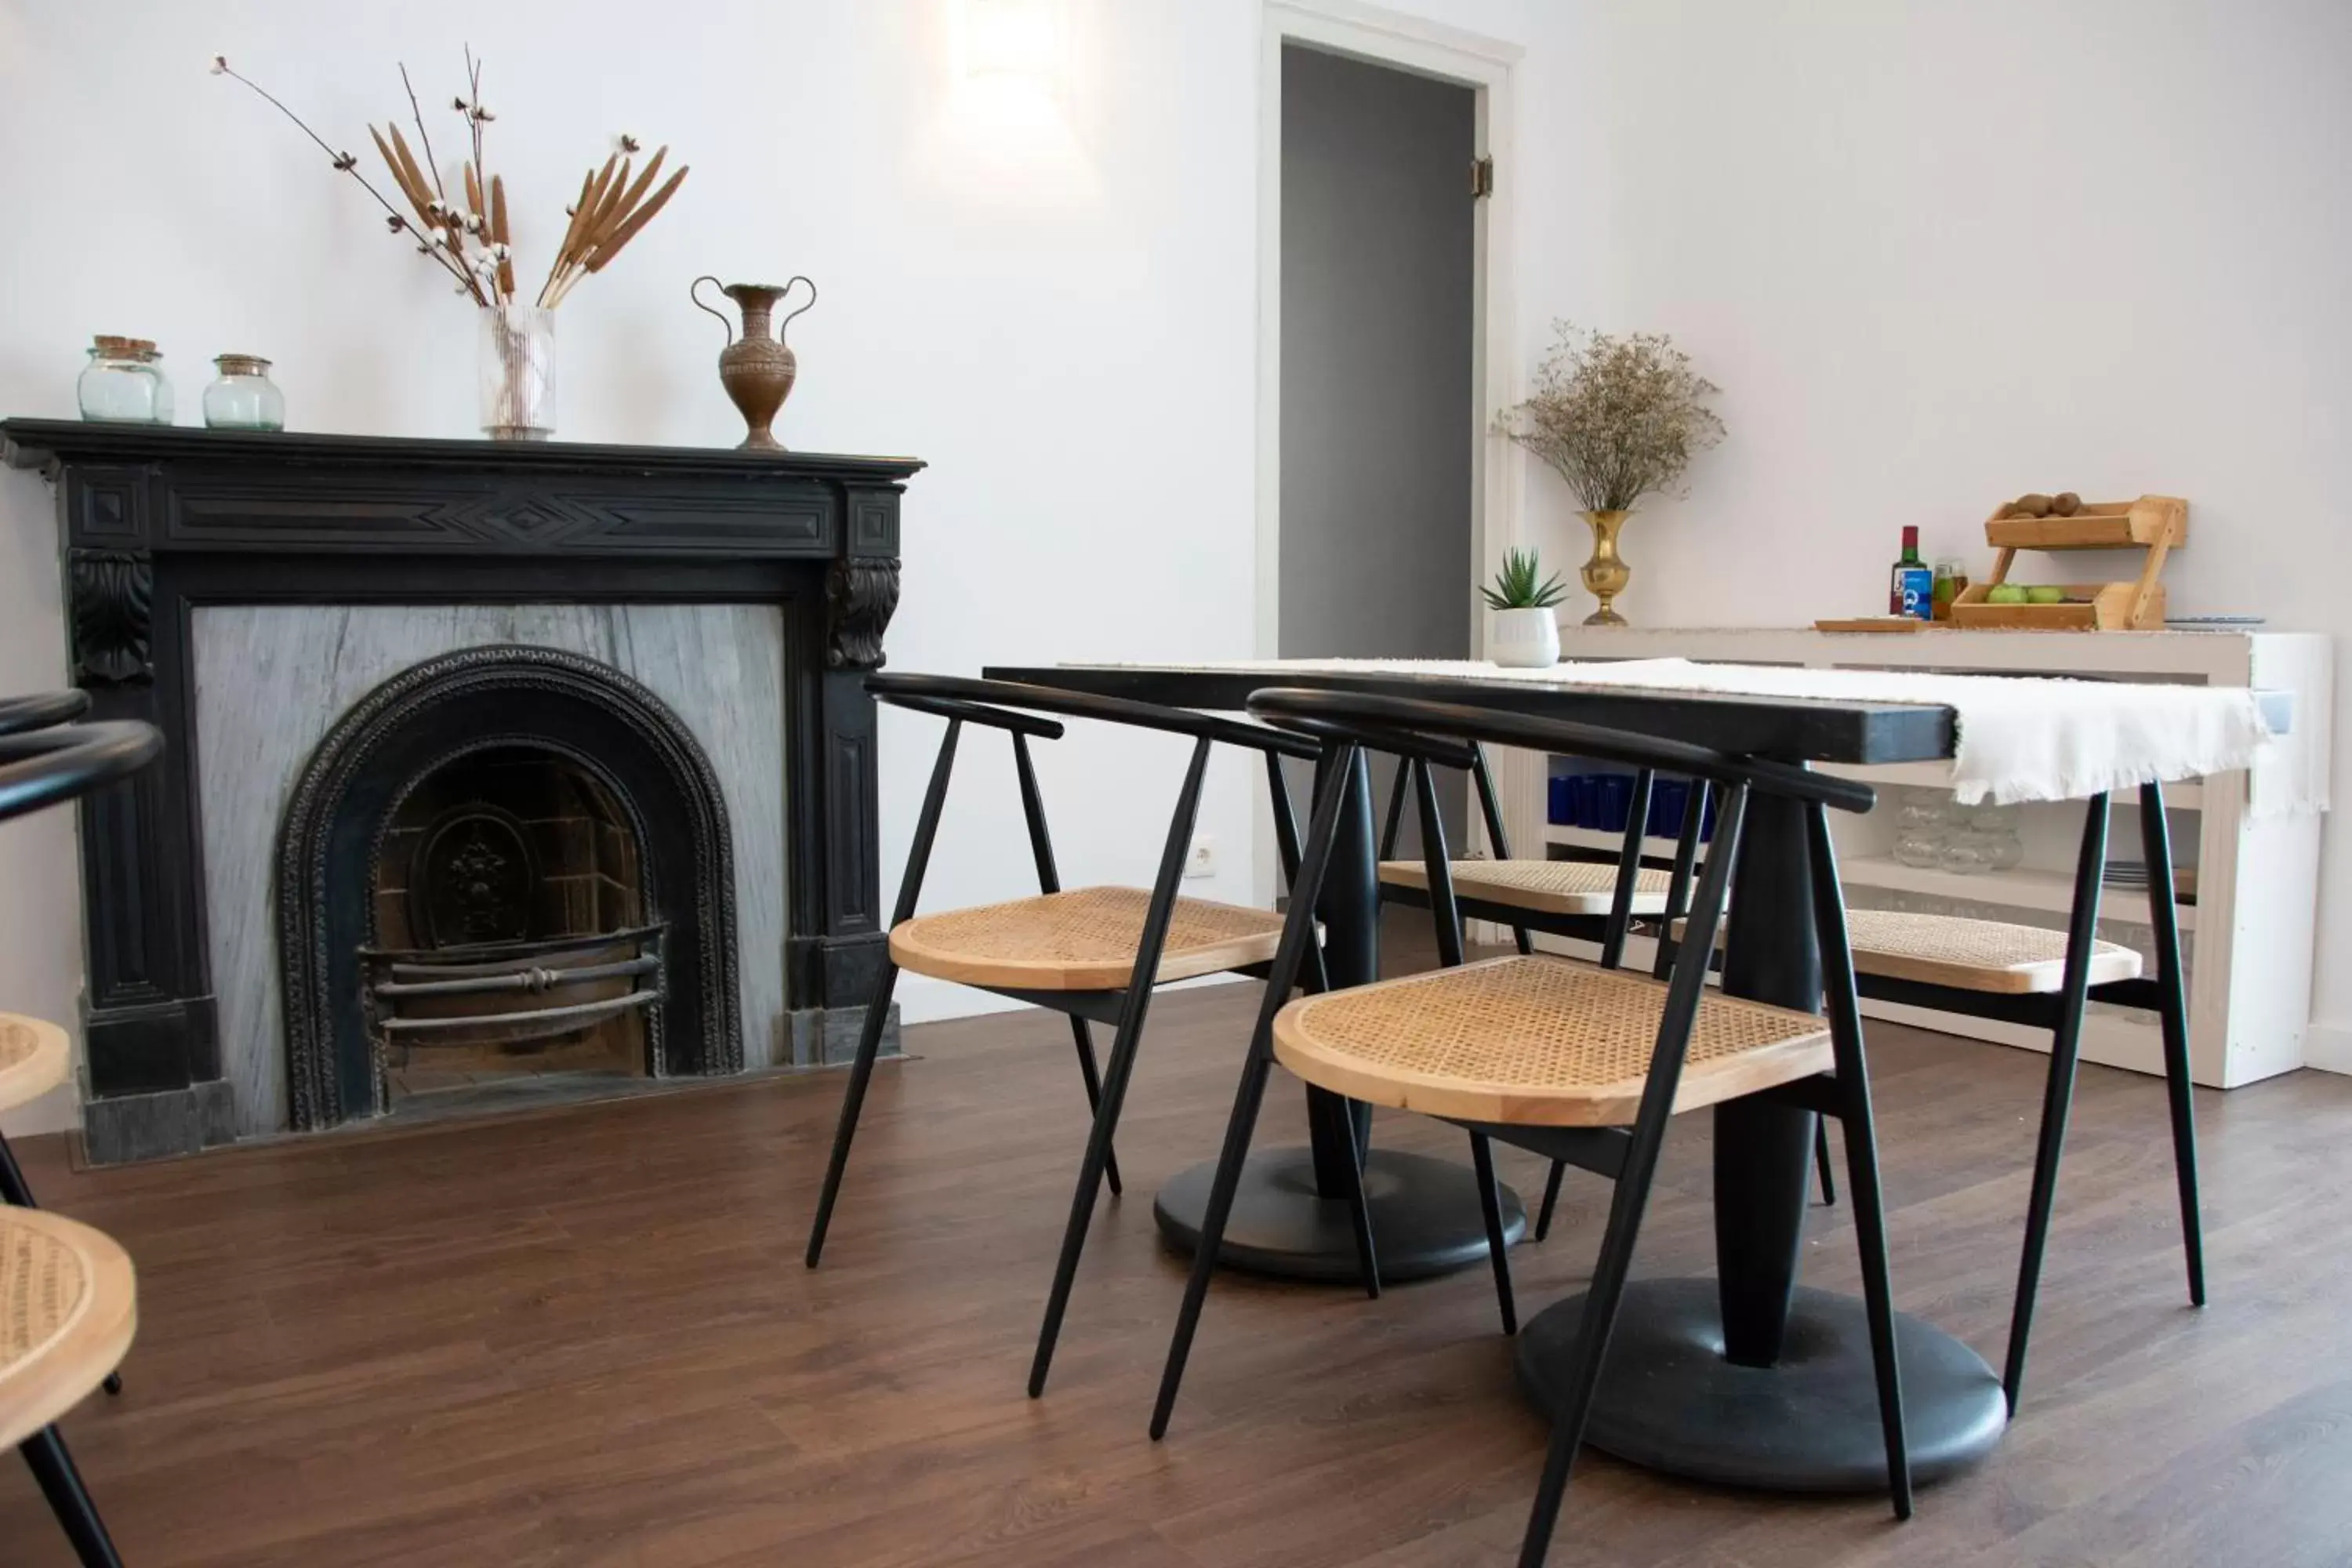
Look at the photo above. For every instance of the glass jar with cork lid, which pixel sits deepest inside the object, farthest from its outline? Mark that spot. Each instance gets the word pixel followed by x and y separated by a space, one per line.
pixel 124 383
pixel 244 397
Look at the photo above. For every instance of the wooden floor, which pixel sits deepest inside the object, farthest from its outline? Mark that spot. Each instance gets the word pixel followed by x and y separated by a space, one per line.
pixel 585 1338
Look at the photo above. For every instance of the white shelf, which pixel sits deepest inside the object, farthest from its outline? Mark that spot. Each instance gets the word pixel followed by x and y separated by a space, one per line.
pixel 2023 887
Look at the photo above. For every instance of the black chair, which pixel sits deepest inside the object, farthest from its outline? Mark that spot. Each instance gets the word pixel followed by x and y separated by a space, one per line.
pixel 1588 900
pixel 2025 975
pixel 1095 954
pixel 1559 1057
pixel 2044 979
pixel 62 764
pixel 44 763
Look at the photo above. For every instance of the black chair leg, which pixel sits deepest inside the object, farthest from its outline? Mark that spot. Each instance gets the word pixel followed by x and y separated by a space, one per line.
pixel 1123 1052
pixel 1085 1039
pixel 1551 1198
pixel 2058 1089
pixel 53 1467
pixel 1592 1333
pixel 1360 1210
pixel 1877 1290
pixel 12 1181
pixel 1247 1097
pixel 1822 1161
pixel 869 1044
pixel 1498 1247
pixel 2172 1014
pixel 1861 1132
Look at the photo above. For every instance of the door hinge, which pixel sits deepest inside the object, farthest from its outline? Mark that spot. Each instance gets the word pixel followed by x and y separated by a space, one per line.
pixel 1482 178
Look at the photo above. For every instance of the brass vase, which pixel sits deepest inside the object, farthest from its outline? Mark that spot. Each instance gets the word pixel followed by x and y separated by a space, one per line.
pixel 1606 573
pixel 756 368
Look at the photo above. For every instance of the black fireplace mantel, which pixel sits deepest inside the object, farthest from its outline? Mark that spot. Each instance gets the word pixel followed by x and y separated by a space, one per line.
pixel 153 521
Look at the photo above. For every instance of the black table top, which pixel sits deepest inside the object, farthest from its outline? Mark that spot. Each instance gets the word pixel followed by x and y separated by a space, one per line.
pixel 1790 728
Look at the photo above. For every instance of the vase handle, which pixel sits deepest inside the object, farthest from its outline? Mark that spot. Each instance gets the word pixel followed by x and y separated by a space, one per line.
pixel 693 292
pixel 786 319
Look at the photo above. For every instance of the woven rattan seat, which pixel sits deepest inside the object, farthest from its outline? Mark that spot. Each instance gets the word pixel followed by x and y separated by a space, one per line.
pixel 1554 887
pixel 1083 940
pixel 33 1059
pixel 69 1307
pixel 1973 955
pixel 1535 1041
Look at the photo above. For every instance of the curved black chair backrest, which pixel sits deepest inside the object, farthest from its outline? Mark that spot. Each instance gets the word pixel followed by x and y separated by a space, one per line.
pixel 1392 723
pixel 41 767
pixel 40 710
pixel 981 701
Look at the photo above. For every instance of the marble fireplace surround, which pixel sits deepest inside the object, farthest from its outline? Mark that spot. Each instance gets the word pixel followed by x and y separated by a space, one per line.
pixel 271 679
pixel 237 590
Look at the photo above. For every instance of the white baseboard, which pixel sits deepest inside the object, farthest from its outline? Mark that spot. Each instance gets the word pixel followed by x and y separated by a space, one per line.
pixel 923 1000
pixel 2329 1048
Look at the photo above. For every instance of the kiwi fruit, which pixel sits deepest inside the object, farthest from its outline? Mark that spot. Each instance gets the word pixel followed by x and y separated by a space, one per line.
pixel 2035 504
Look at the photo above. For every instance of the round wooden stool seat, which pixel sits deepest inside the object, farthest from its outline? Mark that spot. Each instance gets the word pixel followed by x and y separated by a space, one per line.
pixel 33 1059
pixel 1551 886
pixel 1082 940
pixel 69 1307
pixel 1538 1041
pixel 1972 955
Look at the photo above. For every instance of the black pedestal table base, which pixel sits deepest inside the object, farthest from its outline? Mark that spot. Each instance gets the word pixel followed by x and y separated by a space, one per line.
pixel 1424 1212
pixel 1668 1401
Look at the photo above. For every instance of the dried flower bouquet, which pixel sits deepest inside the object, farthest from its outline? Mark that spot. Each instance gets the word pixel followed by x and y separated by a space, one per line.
pixel 1620 418
pixel 471 238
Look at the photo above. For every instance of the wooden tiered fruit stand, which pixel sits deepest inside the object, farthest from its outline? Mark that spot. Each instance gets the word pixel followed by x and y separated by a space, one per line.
pixel 2152 524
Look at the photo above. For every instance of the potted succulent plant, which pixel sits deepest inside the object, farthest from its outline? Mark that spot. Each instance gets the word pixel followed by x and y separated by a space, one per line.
pixel 1522 633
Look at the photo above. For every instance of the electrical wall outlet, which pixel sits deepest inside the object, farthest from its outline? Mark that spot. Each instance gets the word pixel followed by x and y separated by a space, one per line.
pixel 1202 861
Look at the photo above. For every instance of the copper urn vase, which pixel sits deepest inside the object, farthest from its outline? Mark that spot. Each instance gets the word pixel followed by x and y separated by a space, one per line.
pixel 756 368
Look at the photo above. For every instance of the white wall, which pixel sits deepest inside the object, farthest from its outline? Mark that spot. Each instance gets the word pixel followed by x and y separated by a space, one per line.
pixel 1056 311
pixel 1938 255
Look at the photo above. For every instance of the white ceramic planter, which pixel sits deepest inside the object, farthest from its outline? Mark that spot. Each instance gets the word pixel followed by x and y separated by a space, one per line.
pixel 1523 639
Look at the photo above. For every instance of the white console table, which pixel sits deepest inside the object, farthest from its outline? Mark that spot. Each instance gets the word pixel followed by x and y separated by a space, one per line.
pixel 2252 836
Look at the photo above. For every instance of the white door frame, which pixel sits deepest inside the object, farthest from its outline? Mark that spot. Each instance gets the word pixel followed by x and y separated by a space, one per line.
pixel 1487 67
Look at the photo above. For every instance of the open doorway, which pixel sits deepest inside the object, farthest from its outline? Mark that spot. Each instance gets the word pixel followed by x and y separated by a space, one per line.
pixel 1377 285
pixel 1383 327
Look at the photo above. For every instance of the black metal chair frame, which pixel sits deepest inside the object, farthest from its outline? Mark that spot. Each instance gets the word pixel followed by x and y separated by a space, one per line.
pixel 1014 707
pixel 1349 724
pixel 2061 1013
pixel 1610 931
pixel 45 760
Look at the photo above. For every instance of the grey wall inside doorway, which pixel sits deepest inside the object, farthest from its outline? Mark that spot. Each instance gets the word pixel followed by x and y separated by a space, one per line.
pixel 1377 281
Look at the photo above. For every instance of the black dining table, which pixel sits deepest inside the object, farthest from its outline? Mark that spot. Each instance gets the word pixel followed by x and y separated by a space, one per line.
pixel 1749 1378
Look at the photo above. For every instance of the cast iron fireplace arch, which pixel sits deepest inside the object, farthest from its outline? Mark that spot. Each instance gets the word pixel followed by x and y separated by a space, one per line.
pixel 446 708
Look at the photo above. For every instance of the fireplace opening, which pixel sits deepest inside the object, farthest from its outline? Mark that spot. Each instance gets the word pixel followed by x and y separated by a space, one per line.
pixel 510 930
pixel 503 861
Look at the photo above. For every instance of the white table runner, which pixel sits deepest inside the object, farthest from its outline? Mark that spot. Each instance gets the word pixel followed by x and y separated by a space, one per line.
pixel 2020 738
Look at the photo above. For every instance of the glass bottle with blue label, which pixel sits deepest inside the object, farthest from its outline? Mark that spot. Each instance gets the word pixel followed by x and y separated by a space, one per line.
pixel 1913 590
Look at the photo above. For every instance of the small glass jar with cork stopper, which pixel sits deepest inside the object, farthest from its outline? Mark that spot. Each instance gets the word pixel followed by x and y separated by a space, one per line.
pixel 124 383
pixel 244 398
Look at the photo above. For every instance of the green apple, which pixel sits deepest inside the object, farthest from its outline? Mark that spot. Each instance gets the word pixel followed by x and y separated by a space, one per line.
pixel 2005 594
pixel 2044 594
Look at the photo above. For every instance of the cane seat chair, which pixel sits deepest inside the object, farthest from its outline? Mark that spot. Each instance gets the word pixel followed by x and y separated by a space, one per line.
pixel 1577 1061
pixel 1094 954
pixel 67 1300
pixel 68 1308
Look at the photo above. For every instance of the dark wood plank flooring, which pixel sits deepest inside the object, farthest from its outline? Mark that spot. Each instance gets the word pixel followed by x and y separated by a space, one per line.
pixel 585 1338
